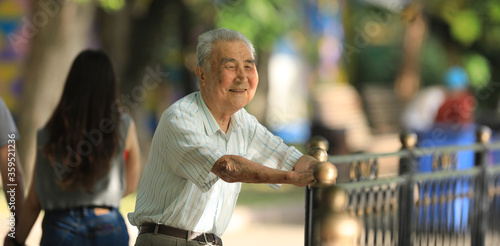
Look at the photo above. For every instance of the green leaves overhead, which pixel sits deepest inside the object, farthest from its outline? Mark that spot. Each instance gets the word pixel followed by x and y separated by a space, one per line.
pixel 494 11
pixel 108 5
pixel 466 27
pixel 262 21
pixel 478 69
pixel 470 21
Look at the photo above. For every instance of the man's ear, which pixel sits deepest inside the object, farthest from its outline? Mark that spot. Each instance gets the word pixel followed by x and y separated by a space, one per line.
pixel 200 73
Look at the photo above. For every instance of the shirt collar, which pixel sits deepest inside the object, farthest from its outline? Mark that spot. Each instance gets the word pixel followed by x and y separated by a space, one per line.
pixel 209 122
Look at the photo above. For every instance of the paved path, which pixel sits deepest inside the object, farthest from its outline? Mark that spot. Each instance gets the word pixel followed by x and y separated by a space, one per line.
pixel 266 226
pixel 250 226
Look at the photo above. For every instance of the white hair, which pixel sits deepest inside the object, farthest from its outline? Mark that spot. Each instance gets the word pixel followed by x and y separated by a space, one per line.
pixel 208 39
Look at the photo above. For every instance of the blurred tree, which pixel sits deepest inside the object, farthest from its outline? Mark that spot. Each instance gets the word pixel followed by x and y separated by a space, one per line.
pixel 407 81
pixel 152 44
pixel 438 35
pixel 56 33
pixel 263 22
pixel 141 36
pixel 470 31
pixel 374 37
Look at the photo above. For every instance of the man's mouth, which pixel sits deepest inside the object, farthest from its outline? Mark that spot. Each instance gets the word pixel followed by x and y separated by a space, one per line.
pixel 237 90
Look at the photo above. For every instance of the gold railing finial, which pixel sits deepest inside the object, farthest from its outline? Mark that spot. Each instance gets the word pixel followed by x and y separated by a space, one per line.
pixel 318 153
pixel 408 140
pixel 483 134
pixel 325 174
pixel 319 142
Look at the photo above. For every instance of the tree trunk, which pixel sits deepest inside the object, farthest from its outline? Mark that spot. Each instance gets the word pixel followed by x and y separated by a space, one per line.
pixel 407 82
pixel 113 31
pixel 143 42
pixel 56 34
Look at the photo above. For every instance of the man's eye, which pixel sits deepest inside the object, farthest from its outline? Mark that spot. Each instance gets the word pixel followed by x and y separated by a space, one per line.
pixel 249 67
pixel 230 67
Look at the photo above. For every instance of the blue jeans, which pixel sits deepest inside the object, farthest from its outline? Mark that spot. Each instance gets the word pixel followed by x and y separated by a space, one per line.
pixel 82 227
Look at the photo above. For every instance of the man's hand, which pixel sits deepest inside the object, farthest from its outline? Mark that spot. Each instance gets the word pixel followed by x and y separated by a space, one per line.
pixel 302 178
pixel 306 162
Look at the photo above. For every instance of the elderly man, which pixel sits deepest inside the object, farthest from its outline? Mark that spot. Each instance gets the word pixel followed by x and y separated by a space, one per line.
pixel 205 145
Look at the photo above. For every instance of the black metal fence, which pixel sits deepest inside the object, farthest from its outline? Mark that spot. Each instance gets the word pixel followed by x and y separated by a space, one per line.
pixel 443 207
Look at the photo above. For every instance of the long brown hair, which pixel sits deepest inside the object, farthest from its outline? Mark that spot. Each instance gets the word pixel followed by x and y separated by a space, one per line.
pixel 84 127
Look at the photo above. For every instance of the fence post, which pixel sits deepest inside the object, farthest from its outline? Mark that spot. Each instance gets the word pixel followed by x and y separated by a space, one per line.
pixel 407 168
pixel 483 135
pixel 317 147
pixel 325 175
pixel 334 226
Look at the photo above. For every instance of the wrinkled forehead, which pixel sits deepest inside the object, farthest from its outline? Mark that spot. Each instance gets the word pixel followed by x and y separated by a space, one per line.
pixel 231 50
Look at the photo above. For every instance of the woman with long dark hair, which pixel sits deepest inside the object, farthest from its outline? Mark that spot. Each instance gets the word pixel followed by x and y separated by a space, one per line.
pixel 87 160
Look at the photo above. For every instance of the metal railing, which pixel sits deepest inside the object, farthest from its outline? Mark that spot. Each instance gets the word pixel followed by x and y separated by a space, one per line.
pixel 445 207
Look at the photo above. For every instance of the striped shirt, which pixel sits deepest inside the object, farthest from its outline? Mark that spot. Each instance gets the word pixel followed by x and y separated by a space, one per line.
pixel 177 187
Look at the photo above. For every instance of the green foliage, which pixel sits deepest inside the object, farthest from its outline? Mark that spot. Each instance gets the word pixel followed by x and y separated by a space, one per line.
pixel 492 38
pixel 82 1
pixel 378 63
pixel 260 194
pixel 473 41
pixel 478 68
pixel 433 61
pixel 466 27
pixel 470 21
pixel 107 5
pixel 494 11
pixel 262 21
pixel 112 5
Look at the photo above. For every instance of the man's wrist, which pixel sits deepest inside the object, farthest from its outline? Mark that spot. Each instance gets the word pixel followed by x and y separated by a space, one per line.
pixel 291 177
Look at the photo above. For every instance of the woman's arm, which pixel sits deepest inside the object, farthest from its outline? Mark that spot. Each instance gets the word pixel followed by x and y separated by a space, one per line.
pixel 132 163
pixel 28 215
pixel 233 168
pixel 12 173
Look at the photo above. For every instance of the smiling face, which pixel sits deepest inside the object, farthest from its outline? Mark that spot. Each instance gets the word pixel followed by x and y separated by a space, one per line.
pixel 231 82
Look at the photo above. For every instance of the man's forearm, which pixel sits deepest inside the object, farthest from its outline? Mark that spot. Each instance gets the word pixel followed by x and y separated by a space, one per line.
pixel 233 168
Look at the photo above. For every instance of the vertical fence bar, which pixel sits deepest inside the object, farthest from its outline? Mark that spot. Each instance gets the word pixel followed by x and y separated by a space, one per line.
pixel 394 208
pixel 483 135
pixel 418 214
pixel 308 222
pixel 317 147
pixel 407 167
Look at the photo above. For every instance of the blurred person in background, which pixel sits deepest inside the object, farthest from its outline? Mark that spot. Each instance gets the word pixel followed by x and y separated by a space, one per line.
pixel 10 166
pixel 457 109
pixel 419 114
pixel 443 115
pixel 87 159
pixel 205 145
pixel 451 105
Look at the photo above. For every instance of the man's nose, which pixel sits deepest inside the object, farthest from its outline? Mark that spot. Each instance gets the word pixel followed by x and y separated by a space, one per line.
pixel 241 74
